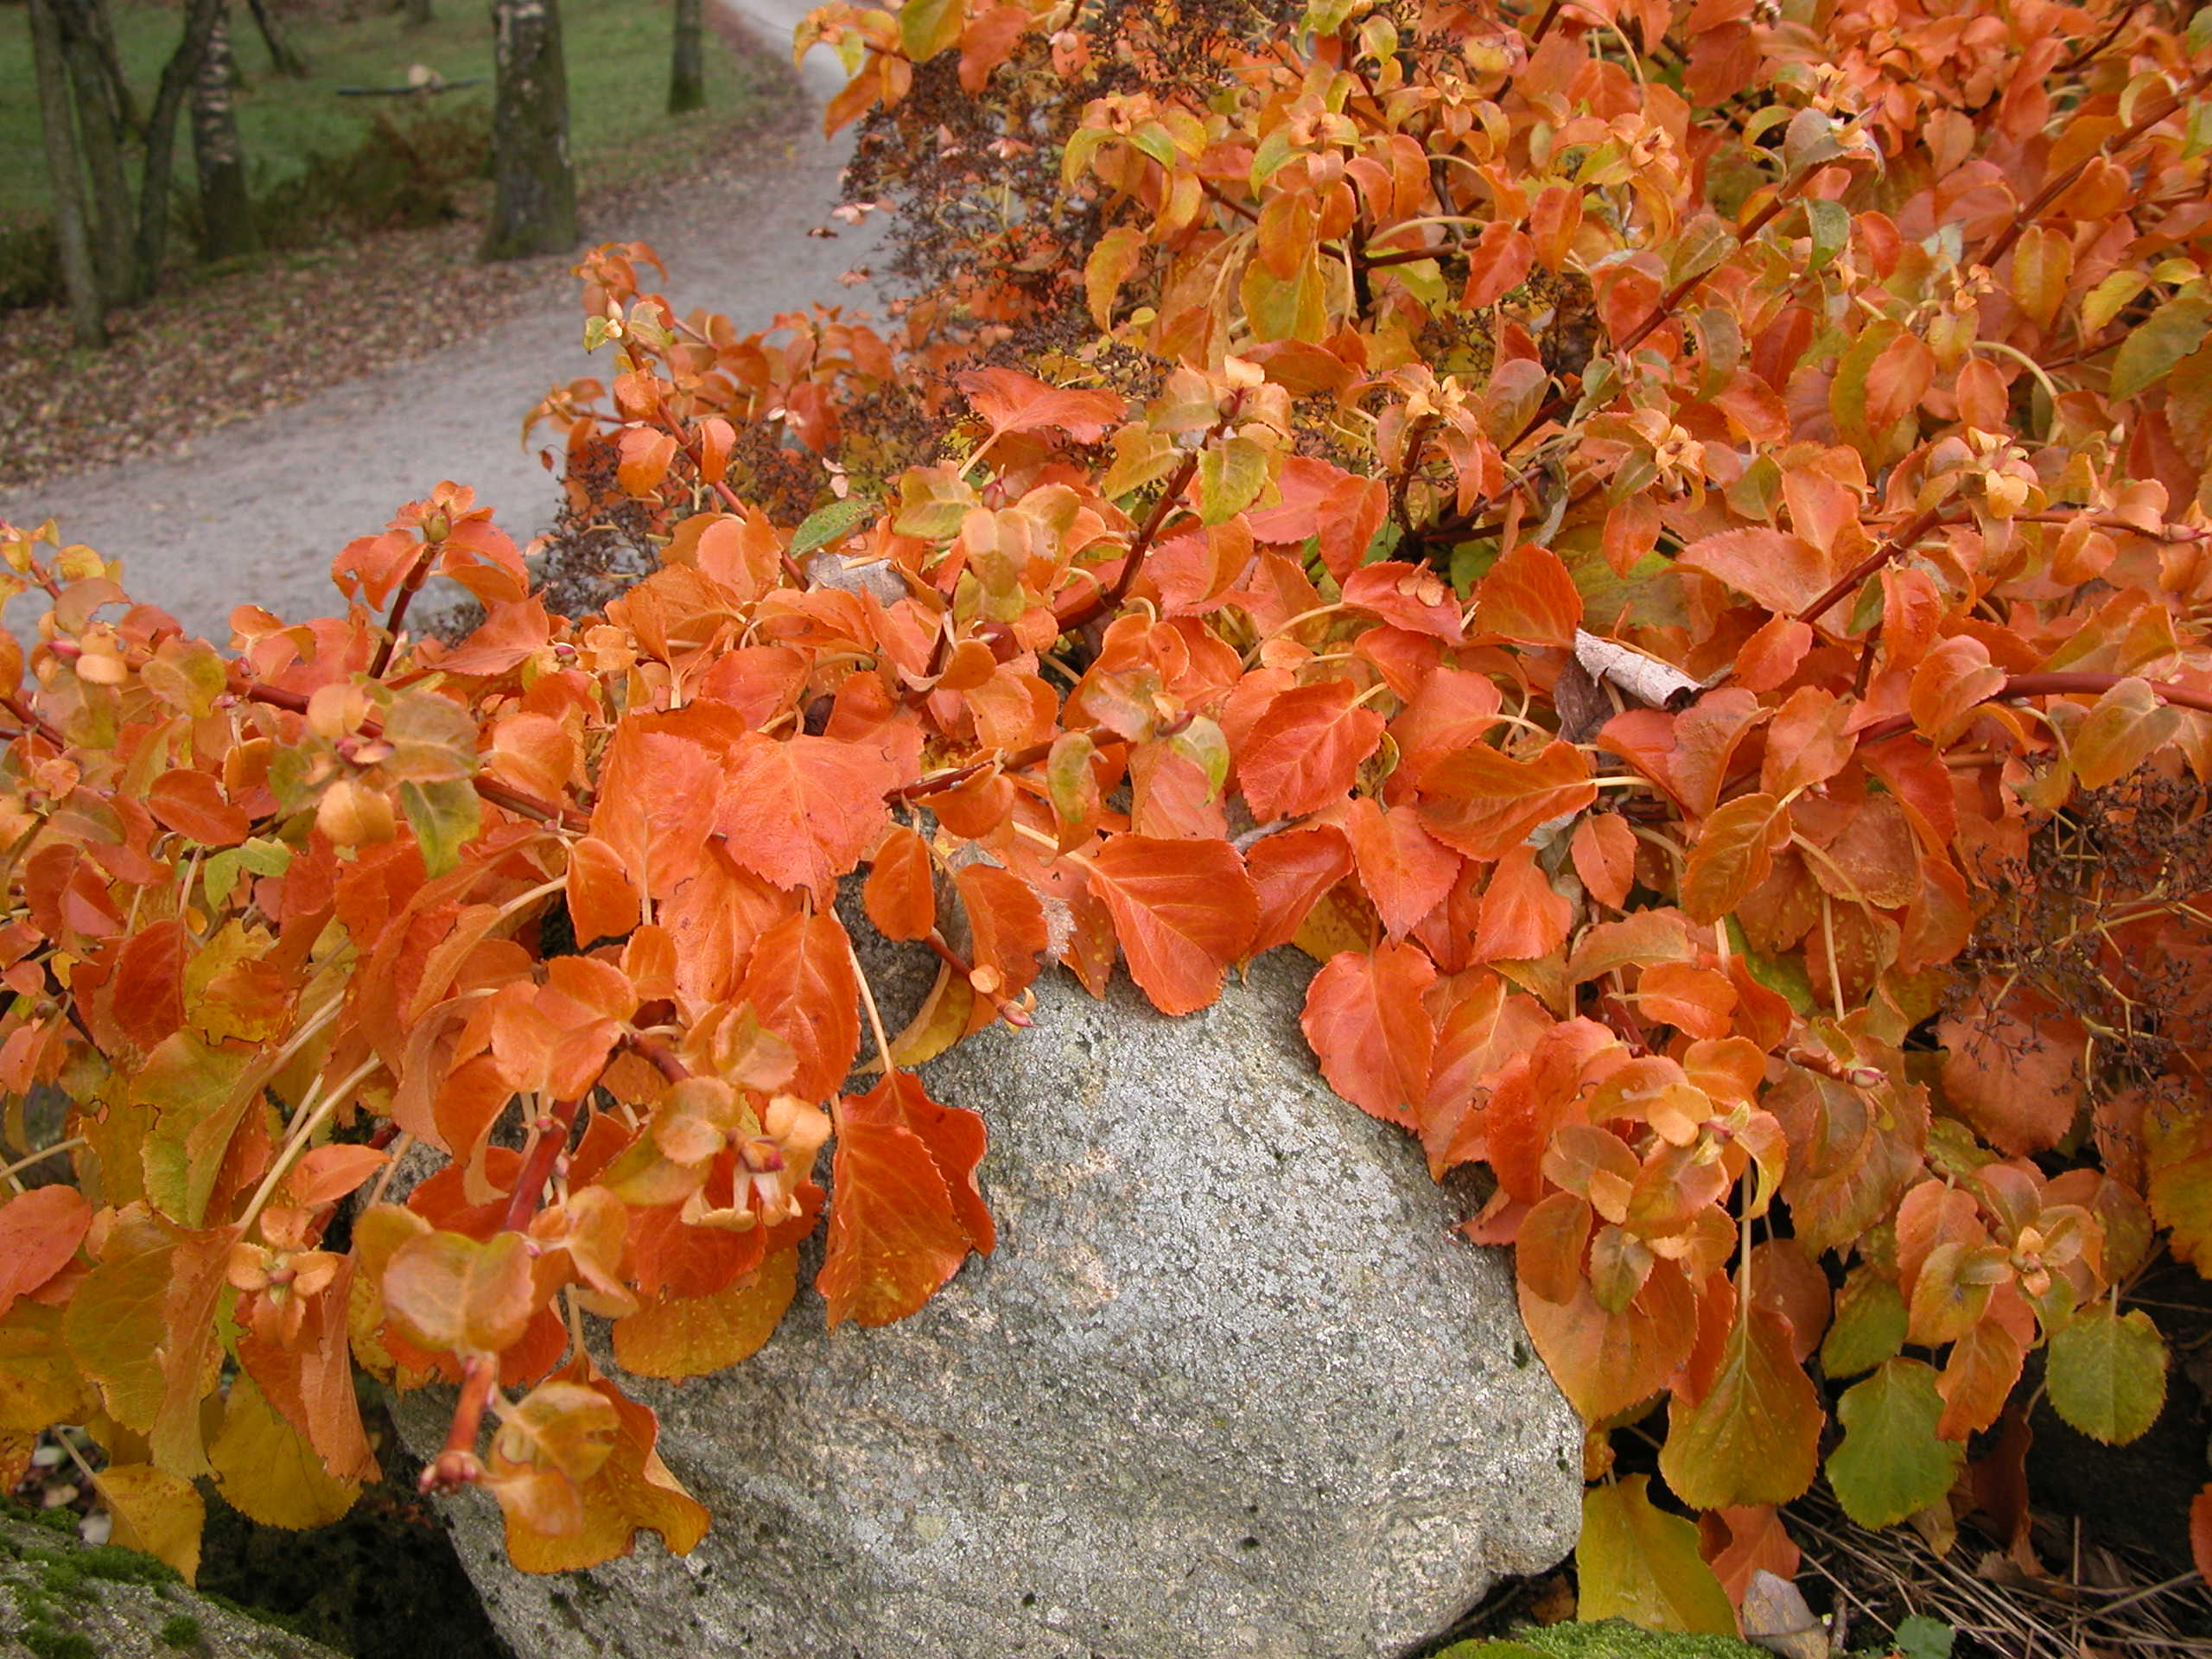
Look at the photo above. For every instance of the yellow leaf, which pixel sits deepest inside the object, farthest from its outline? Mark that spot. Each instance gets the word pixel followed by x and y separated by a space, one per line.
pixel 632 1491
pixel 267 1472
pixel 156 1513
pixel 696 1336
pixel 1639 1563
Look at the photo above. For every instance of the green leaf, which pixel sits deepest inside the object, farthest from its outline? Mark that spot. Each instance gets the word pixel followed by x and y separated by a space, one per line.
pixel 832 523
pixel 1755 1438
pixel 2107 1374
pixel 1868 1326
pixel 1922 1637
pixel 2169 334
pixel 932 500
pixel 190 1082
pixel 1891 1463
pixel 1830 223
pixel 445 817
pixel 1639 1563
pixel 114 1330
pixel 1202 744
pixel 929 26
pixel 1231 477
pixel 220 875
pixel 2127 723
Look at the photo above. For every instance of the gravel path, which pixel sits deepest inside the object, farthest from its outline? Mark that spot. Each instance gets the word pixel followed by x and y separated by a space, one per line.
pixel 255 512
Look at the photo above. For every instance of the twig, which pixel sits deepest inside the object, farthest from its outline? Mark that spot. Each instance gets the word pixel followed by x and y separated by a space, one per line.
pixel 2019 686
pixel 2059 186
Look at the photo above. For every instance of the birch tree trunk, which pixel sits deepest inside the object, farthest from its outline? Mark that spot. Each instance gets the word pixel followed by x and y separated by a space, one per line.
pixel 226 210
pixel 177 78
pixel 534 204
pixel 687 75
pixel 87 315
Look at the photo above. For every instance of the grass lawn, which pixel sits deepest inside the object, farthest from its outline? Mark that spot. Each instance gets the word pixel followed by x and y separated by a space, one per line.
pixel 617 53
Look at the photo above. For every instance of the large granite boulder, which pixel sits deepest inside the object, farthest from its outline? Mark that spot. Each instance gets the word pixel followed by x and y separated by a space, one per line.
pixel 1230 1385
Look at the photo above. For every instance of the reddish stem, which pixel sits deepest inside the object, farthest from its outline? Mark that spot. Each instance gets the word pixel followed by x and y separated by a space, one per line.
pixel 545 1152
pixel 1112 597
pixel 790 565
pixel 32 719
pixel 2059 186
pixel 457 1464
pixel 1665 308
pixel 1408 255
pixel 662 1057
pixel 1849 581
pixel 2109 36
pixel 416 575
pixel 1212 193
pixel 2019 686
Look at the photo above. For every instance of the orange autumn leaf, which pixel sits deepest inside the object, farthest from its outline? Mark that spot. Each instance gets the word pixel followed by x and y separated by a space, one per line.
pixel 804 811
pixel 901 894
pixel 1483 803
pixel 908 1211
pixel 1522 915
pixel 1305 749
pixel 1183 911
pixel 1364 1018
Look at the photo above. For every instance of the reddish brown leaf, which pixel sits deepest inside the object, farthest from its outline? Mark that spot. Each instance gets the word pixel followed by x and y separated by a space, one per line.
pixel 1183 910
pixel 192 803
pixel 804 811
pixel 1290 871
pixel 1014 402
pixel 1733 854
pixel 39 1231
pixel 148 994
pixel 1528 597
pixel 896 1232
pixel 801 985
pixel 1365 1019
pixel 1484 803
pixel 901 891
pixel 1603 851
pixel 1606 1363
pixel 1005 926
pixel 1305 751
pixel 1406 871
pixel 1408 596
pixel 1522 915
pixel 1783 573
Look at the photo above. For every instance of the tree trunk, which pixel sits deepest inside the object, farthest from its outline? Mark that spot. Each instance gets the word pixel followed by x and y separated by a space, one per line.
pixel 100 130
pixel 534 204
pixel 687 75
pixel 177 78
pixel 284 58
pixel 87 316
pixel 85 26
pixel 225 210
